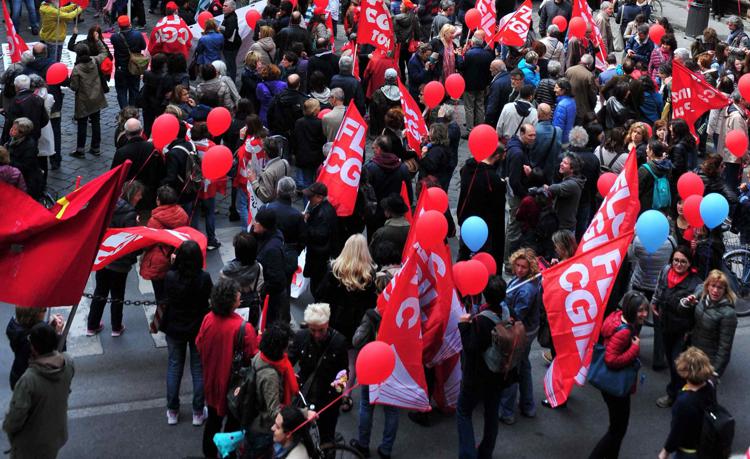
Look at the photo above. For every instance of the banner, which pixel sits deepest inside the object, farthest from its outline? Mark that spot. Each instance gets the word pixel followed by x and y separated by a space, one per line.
pixel 119 242
pixel 576 290
pixel 414 125
pixel 299 282
pixel 375 25
pixel 342 168
pixel 488 21
pixel 581 9
pixel 16 45
pixel 46 254
pixel 514 27
pixel 692 96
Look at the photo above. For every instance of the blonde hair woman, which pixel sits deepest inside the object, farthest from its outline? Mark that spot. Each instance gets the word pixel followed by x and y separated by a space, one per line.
pixel 349 287
pixel 446 51
pixel 715 319
pixel 265 46
pixel 637 137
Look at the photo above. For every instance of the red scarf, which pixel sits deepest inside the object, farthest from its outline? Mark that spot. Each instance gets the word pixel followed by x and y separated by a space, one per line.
pixel 673 278
pixel 285 368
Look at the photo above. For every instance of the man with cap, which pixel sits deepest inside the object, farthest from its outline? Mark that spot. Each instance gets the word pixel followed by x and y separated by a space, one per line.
pixel 126 42
pixel 148 165
pixel 351 86
pixel 55 19
pixel 322 233
pixel 396 228
pixel 271 258
pixel 385 98
pixel 170 34
pixel 37 419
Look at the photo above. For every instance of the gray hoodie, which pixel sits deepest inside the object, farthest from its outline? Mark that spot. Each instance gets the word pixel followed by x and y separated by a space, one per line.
pixel 567 195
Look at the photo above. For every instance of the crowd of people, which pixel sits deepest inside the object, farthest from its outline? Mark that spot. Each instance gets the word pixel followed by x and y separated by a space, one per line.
pixel 561 122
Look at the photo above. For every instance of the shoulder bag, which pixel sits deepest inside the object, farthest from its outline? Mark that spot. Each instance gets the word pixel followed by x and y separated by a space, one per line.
pixel 616 382
pixel 138 63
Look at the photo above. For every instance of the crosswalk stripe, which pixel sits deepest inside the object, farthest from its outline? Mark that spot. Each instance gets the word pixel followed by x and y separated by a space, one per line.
pixel 78 344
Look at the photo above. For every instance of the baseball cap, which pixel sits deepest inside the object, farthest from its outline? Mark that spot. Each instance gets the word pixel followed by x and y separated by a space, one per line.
pixel 172 6
pixel 316 188
pixel 123 21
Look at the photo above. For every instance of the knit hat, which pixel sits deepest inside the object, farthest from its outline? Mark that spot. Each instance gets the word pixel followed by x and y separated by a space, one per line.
pixel 267 218
pixel 123 21
pixel 316 188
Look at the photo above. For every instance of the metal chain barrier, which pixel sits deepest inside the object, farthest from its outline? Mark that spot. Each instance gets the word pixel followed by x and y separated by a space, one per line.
pixel 92 297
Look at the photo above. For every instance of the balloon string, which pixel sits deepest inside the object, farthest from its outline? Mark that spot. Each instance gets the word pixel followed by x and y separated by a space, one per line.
pixel 343 394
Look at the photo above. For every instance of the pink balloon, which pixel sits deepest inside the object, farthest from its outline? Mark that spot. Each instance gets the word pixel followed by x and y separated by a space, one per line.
pixel 203 17
pixel 57 73
pixel 164 130
pixel 218 121
pixel 216 162
pixel 375 362
pixel 455 85
pixel 482 141
pixel 433 94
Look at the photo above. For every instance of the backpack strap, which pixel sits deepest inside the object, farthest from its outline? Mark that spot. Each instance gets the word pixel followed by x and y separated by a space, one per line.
pixel 491 315
pixel 239 348
pixel 614 160
pixel 648 168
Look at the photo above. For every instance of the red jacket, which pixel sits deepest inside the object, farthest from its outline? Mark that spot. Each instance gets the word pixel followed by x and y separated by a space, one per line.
pixel 155 263
pixel 170 35
pixel 215 344
pixel 619 348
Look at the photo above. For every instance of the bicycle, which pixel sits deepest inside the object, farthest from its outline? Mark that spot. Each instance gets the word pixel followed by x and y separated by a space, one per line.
pixel 656 11
pixel 737 268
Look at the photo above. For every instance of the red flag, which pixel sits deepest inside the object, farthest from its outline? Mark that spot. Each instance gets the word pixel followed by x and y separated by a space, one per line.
pixel 46 255
pixel 376 26
pixel 343 166
pixel 118 242
pixel 263 317
pixel 514 30
pixel 352 46
pixel 405 197
pixel 16 45
pixel 581 9
pixel 488 22
pixel 692 96
pixel 415 127
pixel 576 291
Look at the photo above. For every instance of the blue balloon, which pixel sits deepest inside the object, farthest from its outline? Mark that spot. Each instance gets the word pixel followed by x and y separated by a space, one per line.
pixel 652 228
pixel 714 210
pixel 474 233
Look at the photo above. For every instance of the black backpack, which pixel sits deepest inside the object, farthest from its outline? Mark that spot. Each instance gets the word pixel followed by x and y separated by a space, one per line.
pixel 193 179
pixel 717 433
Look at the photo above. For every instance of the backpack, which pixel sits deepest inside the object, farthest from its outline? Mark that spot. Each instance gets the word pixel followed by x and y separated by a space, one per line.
pixel 193 174
pixel 662 195
pixel 608 168
pixel 242 395
pixel 717 433
pixel 507 344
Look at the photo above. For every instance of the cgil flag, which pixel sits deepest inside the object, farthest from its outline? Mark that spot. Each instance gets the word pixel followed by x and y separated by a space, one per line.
pixel 46 255
pixel 488 20
pixel 376 26
pixel 343 166
pixel 576 290
pixel 414 125
pixel 582 9
pixel 16 45
pixel 514 27
pixel 692 96
pixel 119 242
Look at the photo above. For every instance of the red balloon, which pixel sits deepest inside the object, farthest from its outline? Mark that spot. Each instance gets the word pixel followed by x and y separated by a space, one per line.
pixel 431 228
pixel 482 141
pixel 560 22
pixel 455 85
pixel 473 18
pixel 736 142
pixel 433 94
pixel 216 162
pixel 649 129
pixel 689 184
pixel 577 27
pixel 321 3
pixel 744 86
pixel 251 17
pixel 488 261
pixel 57 73
pixel 164 130
pixel 323 113
pixel 437 199
pixel 470 277
pixel 691 209
pixel 605 182
pixel 655 32
pixel 375 362
pixel 203 17
pixel 218 121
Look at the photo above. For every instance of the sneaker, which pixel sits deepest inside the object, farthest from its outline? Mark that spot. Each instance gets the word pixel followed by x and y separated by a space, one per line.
pixel 78 154
pixel 213 245
pixel 508 420
pixel 117 333
pixel 365 452
pixel 173 417
pixel 664 402
pixel 200 417
pixel 96 331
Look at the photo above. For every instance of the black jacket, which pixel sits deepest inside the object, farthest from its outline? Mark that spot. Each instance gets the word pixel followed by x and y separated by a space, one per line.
pixel 347 307
pixel 309 141
pixel 307 352
pixel 352 90
pixel 476 68
pixel 287 110
pixel 549 11
pixel 590 170
pixel 476 337
pixel 271 257
pixel 232 39
pixel 187 304
pixel 153 91
pixel 23 156
pixel 482 194
pixel 18 336
pixel 289 35
pixel 437 162
pixel 682 154
pixel 326 62
pixel 39 67
pixel 126 42
pixel 497 97
pixel 176 163
pixel 517 156
pixel 322 238
pixel 674 318
pixel 148 165
pixel 124 216
pixel 290 221
pixel 26 104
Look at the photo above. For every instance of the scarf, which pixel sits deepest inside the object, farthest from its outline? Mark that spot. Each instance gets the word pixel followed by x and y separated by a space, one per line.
pixel 449 61
pixel 673 278
pixel 387 161
pixel 734 34
pixel 286 370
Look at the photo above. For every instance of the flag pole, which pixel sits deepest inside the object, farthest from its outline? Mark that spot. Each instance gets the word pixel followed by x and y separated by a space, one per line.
pixel 66 330
pixel 531 279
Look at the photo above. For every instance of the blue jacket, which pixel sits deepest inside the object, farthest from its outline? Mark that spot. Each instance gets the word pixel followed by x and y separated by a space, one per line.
pixel 523 303
pixel 209 48
pixel 651 106
pixel 565 115
pixel 642 50
pixel 418 75
pixel 497 97
pixel 476 68
pixel 529 76
pixel 547 149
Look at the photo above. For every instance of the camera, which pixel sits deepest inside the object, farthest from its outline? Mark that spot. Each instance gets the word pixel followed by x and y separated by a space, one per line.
pixel 537 191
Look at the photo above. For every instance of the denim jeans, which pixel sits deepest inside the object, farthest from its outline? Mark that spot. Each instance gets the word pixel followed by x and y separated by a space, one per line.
pixel 508 395
pixel 16 14
pixel 468 399
pixel 365 423
pixel 210 204
pixel 177 350
pixel 127 86
pixel 96 132
pixel 242 208
pixel 54 50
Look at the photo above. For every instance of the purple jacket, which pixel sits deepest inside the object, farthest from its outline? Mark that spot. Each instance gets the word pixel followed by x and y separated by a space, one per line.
pixel 265 92
pixel 12 176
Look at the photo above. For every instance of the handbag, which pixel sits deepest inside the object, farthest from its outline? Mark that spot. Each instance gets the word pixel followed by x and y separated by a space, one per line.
pixel 616 382
pixel 138 63
pixel 237 370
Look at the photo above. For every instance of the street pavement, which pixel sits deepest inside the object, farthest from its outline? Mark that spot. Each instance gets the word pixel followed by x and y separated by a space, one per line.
pixel 117 403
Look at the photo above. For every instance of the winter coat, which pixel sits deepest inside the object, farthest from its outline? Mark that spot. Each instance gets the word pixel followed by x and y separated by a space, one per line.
pixel 717 184
pixel 550 10
pixel 436 162
pixel 347 306
pixel 23 156
pixel 627 13
pixel 418 74
pixel 619 349
pixel 395 231
pixel 547 150
pixel 684 157
pixel 249 278
pixel 675 318
pixel 715 324
pixel 516 156
pixel 54 21
pixel 565 115
pixel 37 419
pixel 567 195
pixel 209 48
pixel 231 32
pixel 265 91
pixel 156 262
pixel 26 104
pixel 133 43
pixel 333 357
pixel 730 118
pixel 291 34
pixel 268 392
pixel 290 221
pixel 352 88
pixel 215 342
pixel 86 83
pixel 406 28
pixel 367 329
pixel 524 302
pixel 476 68
pixel 12 176
pixel 176 165
pixel 309 141
pixel 602 22
pixel 688 411
pixel 322 238
pixel 545 93
pixel 482 194
pixel 266 49
pixel 187 304
pixel 386 174
pixel 148 165
pixel 651 107
pixel 264 185
pixel 271 258
pixel 326 62
pixel 530 75
pixel 18 337
pixel 94 48
pixel 124 216
pixel 286 111
pixel 332 121
pixel 515 114
pixel 497 97
pixel 642 50
pixel 647 266
pixel 215 93
pixel 555 49
pixel 583 88
pixel 660 168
